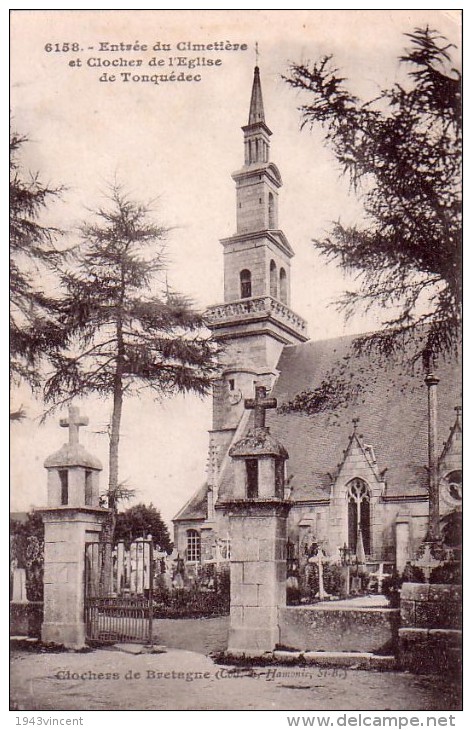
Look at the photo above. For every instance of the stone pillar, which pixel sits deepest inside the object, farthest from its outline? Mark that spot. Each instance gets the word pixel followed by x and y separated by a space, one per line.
pixel 72 518
pixel 257 515
pixel 66 530
pixel 258 532
pixel 433 521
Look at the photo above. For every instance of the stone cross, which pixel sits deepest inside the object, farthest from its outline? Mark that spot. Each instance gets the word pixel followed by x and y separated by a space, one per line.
pixel 73 422
pixel 260 404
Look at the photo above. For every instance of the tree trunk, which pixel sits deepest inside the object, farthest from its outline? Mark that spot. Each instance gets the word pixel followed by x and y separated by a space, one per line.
pixel 108 532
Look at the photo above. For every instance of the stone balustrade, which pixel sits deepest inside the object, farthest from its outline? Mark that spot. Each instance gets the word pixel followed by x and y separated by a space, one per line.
pixel 256 307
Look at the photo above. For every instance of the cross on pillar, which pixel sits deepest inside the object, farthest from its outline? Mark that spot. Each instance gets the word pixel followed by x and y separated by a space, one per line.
pixel 73 422
pixel 260 404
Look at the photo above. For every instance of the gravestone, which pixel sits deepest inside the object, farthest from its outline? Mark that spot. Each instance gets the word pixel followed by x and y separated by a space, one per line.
pixel 72 518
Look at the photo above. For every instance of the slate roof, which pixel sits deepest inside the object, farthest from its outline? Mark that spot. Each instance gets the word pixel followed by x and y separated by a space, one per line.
pixel 392 412
pixel 196 507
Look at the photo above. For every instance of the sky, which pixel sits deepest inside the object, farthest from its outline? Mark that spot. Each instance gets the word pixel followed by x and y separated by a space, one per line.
pixel 177 143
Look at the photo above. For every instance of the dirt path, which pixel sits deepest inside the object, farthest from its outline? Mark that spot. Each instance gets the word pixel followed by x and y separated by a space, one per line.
pixel 184 680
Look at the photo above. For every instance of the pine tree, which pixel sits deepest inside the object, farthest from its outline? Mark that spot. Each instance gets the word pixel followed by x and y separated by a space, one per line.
pixel 123 338
pixel 33 255
pixel 402 154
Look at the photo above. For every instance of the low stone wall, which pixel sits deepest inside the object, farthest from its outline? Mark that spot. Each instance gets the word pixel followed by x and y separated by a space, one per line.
pixel 431 606
pixel 312 628
pixel 430 637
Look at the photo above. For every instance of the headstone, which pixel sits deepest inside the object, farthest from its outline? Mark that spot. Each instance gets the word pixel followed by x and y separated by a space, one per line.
pixel 19 586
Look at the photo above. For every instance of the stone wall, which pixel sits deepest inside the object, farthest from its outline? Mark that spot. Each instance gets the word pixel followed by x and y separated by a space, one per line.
pixel 430 637
pixel 315 628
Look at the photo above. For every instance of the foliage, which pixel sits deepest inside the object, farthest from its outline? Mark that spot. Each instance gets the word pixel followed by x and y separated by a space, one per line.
pixel 391 586
pixel 33 255
pixel 402 154
pixel 122 336
pixel 450 572
pixel 412 574
pixel 27 551
pixel 192 603
pixel 333 581
pixel 195 599
pixel 140 521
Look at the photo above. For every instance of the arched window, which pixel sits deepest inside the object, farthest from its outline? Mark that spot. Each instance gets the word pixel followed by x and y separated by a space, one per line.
pixel 193 546
pixel 272 222
pixel 358 513
pixel 273 280
pixel 245 278
pixel 283 286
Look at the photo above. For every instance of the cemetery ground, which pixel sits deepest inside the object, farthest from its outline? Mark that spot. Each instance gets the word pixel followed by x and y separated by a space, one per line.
pixel 129 677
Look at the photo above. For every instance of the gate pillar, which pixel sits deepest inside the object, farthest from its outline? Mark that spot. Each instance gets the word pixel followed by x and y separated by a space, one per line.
pixel 72 518
pixel 257 512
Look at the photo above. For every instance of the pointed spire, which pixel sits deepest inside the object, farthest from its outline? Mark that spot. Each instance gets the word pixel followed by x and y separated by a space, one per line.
pixel 256 109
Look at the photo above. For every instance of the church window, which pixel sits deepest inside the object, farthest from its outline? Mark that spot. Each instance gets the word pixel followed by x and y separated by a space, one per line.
pixel 273 279
pixel 252 478
pixel 246 288
pixel 64 477
pixel 193 546
pixel 283 286
pixel 88 487
pixel 358 514
pixel 272 223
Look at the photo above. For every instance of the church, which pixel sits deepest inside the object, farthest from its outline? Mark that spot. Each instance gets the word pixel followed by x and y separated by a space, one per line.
pixel 358 469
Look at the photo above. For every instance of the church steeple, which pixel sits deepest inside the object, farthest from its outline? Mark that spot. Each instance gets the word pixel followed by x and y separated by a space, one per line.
pixel 255 321
pixel 256 131
pixel 256 109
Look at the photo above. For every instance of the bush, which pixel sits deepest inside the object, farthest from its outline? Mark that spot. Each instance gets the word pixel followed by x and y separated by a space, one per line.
pixel 193 603
pixel 448 573
pixel 391 587
pixel 412 574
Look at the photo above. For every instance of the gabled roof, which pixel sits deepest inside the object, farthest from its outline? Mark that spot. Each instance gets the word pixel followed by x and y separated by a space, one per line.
pixel 392 414
pixel 196 508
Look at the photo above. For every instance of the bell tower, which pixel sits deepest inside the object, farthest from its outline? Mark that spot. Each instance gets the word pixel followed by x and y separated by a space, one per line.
pixel 255 321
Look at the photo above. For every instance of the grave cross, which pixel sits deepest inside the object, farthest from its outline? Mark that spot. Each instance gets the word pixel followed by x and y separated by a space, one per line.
pixel 260 404
pixel 73 422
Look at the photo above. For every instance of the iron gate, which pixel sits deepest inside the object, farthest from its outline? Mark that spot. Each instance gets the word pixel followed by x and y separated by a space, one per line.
pixel 119 592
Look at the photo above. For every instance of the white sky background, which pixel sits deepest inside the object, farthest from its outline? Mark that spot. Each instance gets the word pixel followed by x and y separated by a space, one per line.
pixel 180 143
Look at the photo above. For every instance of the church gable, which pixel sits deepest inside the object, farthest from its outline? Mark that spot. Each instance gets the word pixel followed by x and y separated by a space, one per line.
pixel 358 461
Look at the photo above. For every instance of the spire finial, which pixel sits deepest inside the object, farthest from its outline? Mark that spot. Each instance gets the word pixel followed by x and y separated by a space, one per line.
pixel 257 53
pixel 355 421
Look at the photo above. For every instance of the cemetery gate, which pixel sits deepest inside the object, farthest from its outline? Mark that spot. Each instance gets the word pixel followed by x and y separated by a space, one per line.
pixel 118 600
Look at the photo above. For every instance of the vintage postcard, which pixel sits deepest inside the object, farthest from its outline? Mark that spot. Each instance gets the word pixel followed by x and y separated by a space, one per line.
pixel 236 423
